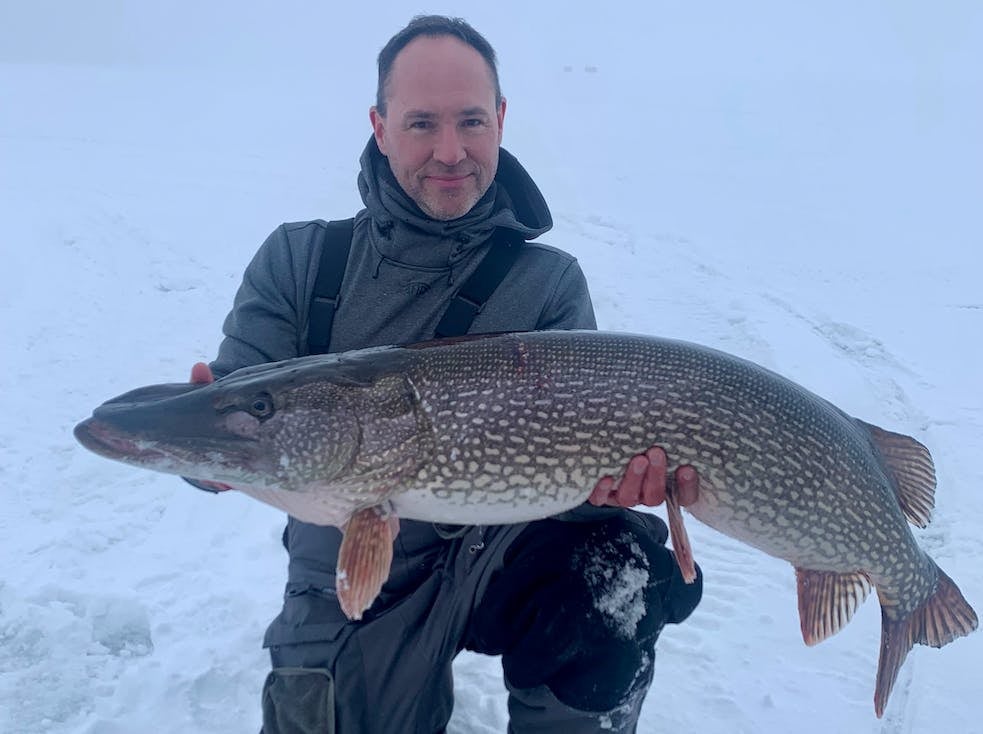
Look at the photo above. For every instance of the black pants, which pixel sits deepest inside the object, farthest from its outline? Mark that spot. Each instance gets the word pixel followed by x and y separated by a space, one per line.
pixel 578 607
pixel 574 609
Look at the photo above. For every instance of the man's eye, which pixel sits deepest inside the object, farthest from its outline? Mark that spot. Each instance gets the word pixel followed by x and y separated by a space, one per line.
pixel 473 122
pixel 420 125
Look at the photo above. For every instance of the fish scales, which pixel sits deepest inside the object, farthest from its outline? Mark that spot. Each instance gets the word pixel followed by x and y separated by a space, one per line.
pixel 517 396
pixel 511 428
pixel 506 428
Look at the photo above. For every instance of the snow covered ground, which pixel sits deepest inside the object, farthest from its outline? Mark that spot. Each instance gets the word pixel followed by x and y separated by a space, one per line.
pixel 798 186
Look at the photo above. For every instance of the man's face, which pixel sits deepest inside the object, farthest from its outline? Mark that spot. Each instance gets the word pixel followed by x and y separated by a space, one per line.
pixel 442 129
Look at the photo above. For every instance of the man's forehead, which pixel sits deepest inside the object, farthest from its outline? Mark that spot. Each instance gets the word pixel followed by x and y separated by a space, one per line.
pixel 448 48
pixel 440 69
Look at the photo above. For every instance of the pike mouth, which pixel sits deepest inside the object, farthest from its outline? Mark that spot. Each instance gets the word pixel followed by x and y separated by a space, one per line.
pixel 202 457
pixel 100 438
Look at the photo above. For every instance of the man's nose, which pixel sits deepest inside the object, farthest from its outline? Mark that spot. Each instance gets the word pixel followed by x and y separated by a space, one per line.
pixel 448 148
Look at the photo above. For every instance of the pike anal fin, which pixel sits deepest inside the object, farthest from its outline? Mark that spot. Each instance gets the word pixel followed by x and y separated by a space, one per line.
pixel 943 617
pixel 827 601
pixel 364 559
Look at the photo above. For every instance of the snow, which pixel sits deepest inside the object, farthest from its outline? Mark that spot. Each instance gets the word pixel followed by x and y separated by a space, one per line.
pixel 799 185
pixel 617 582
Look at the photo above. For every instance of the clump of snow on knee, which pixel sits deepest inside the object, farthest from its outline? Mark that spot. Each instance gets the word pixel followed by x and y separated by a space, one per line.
pixel 617 581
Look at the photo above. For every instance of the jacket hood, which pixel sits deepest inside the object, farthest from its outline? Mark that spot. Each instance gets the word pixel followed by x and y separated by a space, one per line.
pixel 402 233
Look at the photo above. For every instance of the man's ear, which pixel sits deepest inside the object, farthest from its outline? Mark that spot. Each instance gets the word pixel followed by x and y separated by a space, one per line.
pixel 378 128
pixel 500 113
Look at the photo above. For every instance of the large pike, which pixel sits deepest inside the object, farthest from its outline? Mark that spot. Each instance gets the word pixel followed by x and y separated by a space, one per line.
pixel 516 427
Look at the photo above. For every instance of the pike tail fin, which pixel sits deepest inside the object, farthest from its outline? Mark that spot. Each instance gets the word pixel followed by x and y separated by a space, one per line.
pixel 940 619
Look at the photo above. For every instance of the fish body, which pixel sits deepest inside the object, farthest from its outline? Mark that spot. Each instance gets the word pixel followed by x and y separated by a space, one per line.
pixel 514 427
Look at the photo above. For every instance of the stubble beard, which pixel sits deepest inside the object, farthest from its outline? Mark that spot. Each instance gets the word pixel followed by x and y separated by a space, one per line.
pixel 446 207
pixel 445 204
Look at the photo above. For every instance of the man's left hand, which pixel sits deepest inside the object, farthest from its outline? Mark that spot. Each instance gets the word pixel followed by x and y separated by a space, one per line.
pixel 645 482
pixel 201 374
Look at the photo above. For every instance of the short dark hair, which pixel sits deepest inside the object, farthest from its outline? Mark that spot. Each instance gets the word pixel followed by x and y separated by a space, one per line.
pixel 433 26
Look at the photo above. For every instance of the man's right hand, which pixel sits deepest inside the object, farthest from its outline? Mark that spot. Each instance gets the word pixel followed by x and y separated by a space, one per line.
pixel 201 374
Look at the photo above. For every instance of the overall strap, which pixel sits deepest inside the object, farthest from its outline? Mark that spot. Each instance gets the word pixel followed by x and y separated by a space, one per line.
pixel 461 311
pixel 472 296
pixel 327 287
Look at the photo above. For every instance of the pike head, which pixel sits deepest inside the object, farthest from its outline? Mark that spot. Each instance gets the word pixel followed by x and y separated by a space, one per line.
pixel 313 425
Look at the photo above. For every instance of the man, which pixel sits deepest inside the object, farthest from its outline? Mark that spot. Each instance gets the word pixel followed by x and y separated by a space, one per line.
pixel 572 604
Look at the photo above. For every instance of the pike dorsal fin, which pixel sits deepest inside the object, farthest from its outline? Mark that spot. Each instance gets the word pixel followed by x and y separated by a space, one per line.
pixel 911 467
pixel 827 601
pixel 364 559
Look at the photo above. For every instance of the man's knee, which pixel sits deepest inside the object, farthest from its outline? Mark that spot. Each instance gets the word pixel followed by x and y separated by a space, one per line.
pixel 298 701
pixel 539 710
pixel 616 573
pixel 578 607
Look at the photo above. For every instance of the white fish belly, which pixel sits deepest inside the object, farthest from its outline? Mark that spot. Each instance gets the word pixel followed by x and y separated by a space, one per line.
pixel 475 507
pixel 318 508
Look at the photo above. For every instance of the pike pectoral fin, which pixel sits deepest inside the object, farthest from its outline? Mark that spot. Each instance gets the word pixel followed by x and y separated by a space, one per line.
pixel 940 619
pixel 679 536
pixel 364 558
pixel 827 601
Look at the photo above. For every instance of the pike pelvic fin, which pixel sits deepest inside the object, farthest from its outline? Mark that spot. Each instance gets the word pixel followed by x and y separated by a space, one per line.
pixel 940 619
pixel 827 601
pixel 680 538
pixel 364 559
pixel 911 467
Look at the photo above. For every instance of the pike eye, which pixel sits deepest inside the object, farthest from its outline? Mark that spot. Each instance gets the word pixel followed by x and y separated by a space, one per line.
pixel 261 406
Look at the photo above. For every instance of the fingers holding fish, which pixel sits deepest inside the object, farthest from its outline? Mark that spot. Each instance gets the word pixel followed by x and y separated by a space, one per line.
pixel 201 374
pixel 687 485
pixel 645 482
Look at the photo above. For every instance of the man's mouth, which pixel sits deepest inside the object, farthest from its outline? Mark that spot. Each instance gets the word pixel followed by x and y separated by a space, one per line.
pixel 444 178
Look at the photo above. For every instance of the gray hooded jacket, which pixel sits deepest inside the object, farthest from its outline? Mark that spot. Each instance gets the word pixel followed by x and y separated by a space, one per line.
pixel 402 271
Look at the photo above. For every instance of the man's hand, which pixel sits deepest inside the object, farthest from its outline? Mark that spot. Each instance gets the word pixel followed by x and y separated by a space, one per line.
pixel 201 374
pixel 645 482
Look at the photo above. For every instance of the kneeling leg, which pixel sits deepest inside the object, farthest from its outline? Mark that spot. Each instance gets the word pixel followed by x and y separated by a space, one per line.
pixel 575 612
